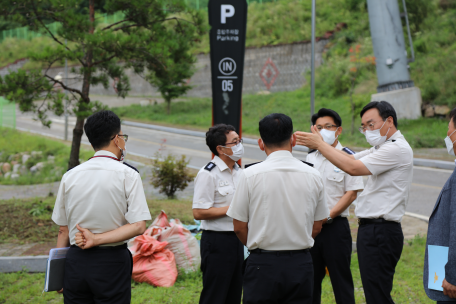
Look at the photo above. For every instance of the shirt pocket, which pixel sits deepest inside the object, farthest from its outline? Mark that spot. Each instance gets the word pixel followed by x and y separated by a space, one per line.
pixel 335 183
pixel 223 193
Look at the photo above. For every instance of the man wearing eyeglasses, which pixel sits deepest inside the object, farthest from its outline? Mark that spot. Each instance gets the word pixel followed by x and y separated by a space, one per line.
pixel 99 206
pixel 222 254
pixel 333 246
pixel 381 206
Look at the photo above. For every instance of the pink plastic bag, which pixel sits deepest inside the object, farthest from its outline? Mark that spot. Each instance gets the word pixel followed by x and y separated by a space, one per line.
pixel 180 241
pixel 152 262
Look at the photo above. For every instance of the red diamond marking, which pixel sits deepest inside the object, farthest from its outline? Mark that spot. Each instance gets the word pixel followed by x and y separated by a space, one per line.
pixel 269 70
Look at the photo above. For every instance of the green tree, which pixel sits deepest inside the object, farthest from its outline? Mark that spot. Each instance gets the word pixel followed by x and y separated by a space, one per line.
pixel 147 40
pixel 171 82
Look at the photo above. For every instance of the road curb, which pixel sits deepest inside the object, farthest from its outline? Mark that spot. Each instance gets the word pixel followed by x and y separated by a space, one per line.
pixel 30 263
pixel 422 162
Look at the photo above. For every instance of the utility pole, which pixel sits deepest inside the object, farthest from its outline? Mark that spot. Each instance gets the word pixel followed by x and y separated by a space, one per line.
pixel 312 64
pixel 392 64
pixel 66 95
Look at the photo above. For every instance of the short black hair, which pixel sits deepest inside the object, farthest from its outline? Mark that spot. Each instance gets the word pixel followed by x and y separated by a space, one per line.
pixel 453 115
pixel 327 112
pixel 216 136
pixel 385 109
pixel 101 127
pixel 276 129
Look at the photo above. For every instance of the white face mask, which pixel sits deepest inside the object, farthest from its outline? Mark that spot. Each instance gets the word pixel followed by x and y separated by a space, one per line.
pixel 449 144
pixel 374 138
pixel 238 152
pixel 329 136
pixel 123 152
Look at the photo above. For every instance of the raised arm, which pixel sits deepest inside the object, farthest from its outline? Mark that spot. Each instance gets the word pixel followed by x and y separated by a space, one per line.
pixel 337 158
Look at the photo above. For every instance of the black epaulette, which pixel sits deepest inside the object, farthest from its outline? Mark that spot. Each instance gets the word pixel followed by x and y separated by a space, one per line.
pixel 248 165
pixel 348 151
pixel 128 165
pixel 210 166
pixel 312 151
pixel 393 140
pixel 308 164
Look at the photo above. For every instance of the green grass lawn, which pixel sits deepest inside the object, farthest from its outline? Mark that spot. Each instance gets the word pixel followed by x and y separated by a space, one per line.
pixel 13 142
pixel 29 220
pixel 196 113
pixel 18 288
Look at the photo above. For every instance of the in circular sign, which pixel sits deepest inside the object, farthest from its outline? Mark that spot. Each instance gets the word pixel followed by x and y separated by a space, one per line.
pixel 227 66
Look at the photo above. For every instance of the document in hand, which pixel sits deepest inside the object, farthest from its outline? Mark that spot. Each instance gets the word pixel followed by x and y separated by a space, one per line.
pixel 438 257
pixel 55 269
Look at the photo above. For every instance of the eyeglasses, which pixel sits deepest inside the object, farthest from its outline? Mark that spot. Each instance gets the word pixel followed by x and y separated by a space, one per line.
pixel 326 127
pixel 369 127
pixel 235 142
pixel 124 137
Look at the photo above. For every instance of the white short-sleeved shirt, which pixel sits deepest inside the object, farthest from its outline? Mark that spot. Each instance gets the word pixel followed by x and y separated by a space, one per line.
pixel 336 181
pixel 280 198
pixel 387 190
pixel 101 195
pixel 215 185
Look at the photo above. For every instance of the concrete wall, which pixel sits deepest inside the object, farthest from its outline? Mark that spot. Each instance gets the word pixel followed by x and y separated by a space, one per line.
pixel 291 62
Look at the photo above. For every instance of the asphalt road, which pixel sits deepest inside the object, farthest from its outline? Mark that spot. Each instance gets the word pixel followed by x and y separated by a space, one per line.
pixel 427 182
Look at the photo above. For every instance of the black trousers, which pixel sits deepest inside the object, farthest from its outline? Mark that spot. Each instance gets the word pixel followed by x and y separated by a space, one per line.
pixel 222 255
pixel 97 276
pixel 379 249
pixel 278 278
pixel 333 249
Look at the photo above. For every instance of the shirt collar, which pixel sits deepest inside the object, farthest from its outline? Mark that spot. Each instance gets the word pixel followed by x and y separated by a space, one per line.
pixel 395 136
pixel 279 154
pixel 105 153
pixel 222 165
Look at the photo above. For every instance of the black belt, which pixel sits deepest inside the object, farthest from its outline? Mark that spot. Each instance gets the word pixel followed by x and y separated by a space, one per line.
pixel 123 246
pixel 364 221
pixel 279 252
pixel 213 231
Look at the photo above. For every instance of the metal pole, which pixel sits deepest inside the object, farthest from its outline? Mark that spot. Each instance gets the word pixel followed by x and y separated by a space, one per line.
pixel 66 94
pixel 312 64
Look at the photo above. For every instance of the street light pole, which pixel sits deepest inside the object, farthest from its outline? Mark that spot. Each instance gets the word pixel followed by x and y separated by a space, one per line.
pixel 312 64
pixel 66 99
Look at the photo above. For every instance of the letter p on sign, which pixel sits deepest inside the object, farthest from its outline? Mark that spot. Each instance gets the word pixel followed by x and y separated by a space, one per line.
pixel 227 11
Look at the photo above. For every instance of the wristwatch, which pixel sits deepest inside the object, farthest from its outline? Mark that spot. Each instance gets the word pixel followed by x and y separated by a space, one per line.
pixel 329 220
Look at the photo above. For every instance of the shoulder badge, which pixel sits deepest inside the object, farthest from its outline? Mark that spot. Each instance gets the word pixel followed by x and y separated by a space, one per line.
pixel 308 164
pixel 348 151
pixel 128 165
pixel 248 165
pixel 210 166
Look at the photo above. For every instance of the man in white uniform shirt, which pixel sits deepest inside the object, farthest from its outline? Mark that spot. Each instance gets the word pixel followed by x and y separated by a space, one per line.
pixel 222 253
pixel 333 246
pixel 381 206
pixel 104 199
pixel 277 209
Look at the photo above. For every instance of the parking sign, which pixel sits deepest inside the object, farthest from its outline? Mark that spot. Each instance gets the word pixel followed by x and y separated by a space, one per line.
pixel 228 20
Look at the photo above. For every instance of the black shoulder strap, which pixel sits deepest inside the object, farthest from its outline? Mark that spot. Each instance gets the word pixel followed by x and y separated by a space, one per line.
pixel 308 164
pixel 128 165
pixel 312 151
pixel 248 165
pixel 348 151
pixel 210 166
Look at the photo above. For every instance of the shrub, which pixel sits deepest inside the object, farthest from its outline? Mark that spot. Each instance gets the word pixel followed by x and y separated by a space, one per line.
pixel 170 174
